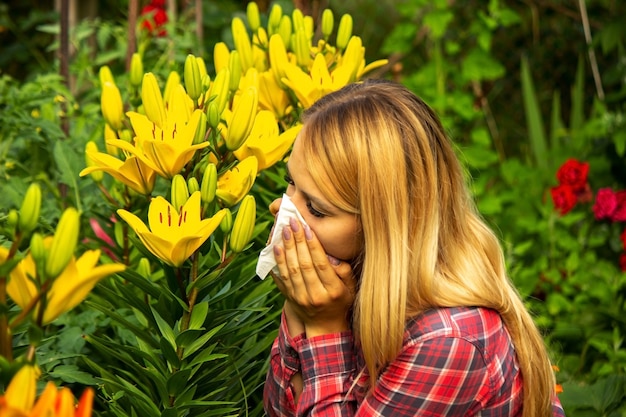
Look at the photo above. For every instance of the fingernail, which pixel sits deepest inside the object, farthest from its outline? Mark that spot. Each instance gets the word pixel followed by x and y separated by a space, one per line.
pixel 286 233
pixel 307 232
pixel 333 260
pixel 276 251
pixel 294 224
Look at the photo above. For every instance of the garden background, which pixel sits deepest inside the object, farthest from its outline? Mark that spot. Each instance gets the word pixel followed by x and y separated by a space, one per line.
pixel 532 93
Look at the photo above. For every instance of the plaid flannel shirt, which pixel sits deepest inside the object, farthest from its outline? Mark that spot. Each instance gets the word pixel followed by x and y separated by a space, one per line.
pixel 454 362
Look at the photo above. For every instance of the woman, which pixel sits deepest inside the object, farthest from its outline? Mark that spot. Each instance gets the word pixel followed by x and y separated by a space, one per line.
pixel 397 298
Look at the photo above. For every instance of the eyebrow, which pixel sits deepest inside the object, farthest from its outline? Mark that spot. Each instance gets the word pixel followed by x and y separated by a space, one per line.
pixel 319 204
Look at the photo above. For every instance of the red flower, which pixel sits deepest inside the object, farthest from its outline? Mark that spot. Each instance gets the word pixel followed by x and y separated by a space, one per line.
pixel 573 173
pixel 564 198
pixel 606 202
pixel 154 18
pixel 619 214
pixel 622 262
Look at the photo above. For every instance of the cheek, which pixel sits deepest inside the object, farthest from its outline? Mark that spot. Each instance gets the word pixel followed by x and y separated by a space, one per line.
pixel 340 242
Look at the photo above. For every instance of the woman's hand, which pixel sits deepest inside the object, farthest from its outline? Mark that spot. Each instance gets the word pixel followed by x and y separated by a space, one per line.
pixel 318 292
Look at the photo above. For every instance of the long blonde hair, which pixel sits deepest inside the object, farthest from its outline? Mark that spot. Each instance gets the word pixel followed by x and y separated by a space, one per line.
pixel 379 151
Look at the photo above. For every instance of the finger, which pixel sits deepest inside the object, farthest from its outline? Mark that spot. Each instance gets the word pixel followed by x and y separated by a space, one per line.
pixel 308 272
pixel 282 278
pixel 327 267
pixel 297 259
pixel 275 206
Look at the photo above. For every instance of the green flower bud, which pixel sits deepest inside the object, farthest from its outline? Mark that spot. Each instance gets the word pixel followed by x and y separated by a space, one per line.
pixel 243 118
pixel 209 184
pixel 38 251
pixel 63 243
pixel 298 19
pixel 344 31
pixel 12 218
pixel 220 89
pixel 284 30
pixel 254 19
pixel 201 67
pixel 302 47
pixel 200 134
pixel 180 192
pixel 234 65
pixel 227 222
pixel 193 185
pixel 213 114
pixel 126 135
pixel 31 207
pixel 193 81
pixel 273 22
pixel 143 268
pixel 328 22
pixel 136 70
pixel 243 227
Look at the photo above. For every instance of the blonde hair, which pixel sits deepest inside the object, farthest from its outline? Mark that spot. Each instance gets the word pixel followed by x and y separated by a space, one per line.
pixel 377 150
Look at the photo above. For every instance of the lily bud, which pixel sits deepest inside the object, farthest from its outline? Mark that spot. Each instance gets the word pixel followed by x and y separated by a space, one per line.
pixel 171 84
pixel 30 209
pixel 344 31
pixel 209 184
pixel 193 185
pixel 273 22
pixel 297 19
pixel 278 58
pixel 220 89
pixel 243 225
pixel 180 192
pixel 193 81
pixel 252 13
pixel 284 30
pixel 105 75
pixel 201 67
pixel 63 243
pixel 92 147
pixel 12 219
pixel 38 251
pixel 226 224
pixel 328 22
pixel 243 119
pixel 221 55
pixel 136 70
pixel 153 100
pixel 234 65
pixel 242 43
pixel 112 105
pixel 201 129
pixel 143 268
pixel 213 114
pixel 302 47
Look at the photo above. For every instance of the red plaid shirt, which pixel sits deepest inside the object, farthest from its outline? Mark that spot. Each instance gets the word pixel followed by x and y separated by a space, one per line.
pixel 454 362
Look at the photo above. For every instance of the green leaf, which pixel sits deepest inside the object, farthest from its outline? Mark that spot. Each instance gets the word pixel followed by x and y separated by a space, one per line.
pixel 177 382
pixel 67 163
pixel 201 341
pixel 534 121
pixel 166 331
pixel 198 315
pixel 479 65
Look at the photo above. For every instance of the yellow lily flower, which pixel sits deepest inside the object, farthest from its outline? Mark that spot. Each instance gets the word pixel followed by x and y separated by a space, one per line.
pixel 132 172
pixel 19 396
pixel 172 236
pixel 308 88
pixel 166 150
pixel 235 183
pixel 271 96
pixel 264 141
pixel 70 288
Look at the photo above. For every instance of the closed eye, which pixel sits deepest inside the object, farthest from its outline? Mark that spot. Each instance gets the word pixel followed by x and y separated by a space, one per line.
pixel 314 212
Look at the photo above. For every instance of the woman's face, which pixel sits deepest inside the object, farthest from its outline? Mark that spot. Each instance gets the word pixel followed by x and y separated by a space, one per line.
pixel 337 230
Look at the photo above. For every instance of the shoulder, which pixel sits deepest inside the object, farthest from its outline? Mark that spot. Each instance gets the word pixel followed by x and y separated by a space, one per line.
pixel 472 323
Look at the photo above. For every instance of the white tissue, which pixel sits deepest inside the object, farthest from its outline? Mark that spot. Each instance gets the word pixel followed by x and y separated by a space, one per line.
pixel 266 261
